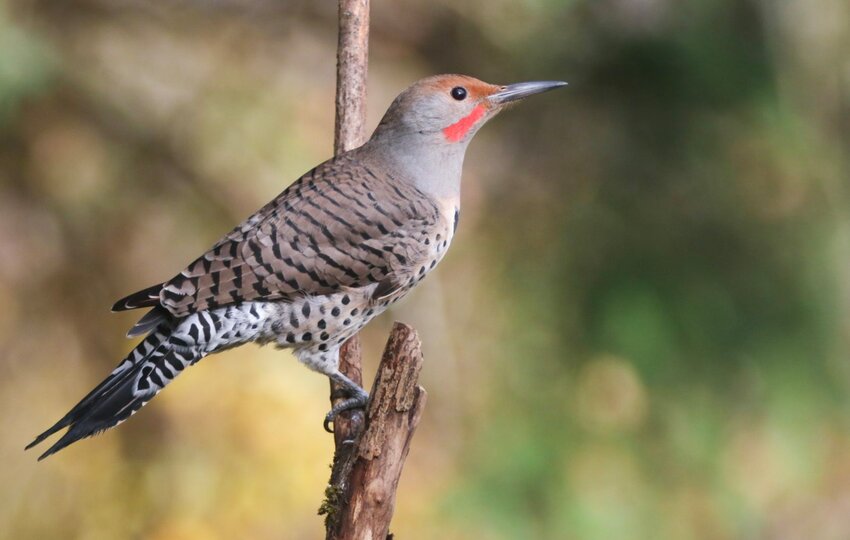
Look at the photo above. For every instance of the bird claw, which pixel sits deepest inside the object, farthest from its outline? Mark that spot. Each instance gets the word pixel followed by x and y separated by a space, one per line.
pixel 357 398
pixel 356 402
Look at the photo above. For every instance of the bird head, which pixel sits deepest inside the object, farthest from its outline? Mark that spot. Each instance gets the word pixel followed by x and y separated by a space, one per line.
pixel 424 134
pixel 450 109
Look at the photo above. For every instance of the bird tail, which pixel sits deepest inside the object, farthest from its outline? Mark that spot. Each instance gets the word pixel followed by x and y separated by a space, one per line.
pixel 138 378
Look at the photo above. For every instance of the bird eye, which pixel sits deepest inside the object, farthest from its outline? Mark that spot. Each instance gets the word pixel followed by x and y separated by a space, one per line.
pixel 459 93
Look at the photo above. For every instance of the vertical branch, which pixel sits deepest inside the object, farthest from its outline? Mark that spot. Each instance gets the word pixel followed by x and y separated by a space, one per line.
pixel 352 65
pixel 369 452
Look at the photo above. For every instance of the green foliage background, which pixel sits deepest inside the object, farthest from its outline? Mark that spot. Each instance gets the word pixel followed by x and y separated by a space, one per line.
pixel 640 332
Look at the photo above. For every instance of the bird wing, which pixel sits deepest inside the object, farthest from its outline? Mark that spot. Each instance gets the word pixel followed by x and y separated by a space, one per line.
pixel 339 226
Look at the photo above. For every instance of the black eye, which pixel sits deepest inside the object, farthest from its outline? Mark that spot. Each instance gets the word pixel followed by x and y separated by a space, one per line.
pixel 459 93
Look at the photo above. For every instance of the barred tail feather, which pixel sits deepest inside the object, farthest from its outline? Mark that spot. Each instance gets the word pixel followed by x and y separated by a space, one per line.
pixel 136 380
pixel 147 346
pixel 113 409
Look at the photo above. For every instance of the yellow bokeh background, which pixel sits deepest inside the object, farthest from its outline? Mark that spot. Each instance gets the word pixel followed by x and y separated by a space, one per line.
pixel 641 330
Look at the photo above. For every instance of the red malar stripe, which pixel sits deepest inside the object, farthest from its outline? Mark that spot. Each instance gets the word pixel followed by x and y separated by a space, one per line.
pixel 459 129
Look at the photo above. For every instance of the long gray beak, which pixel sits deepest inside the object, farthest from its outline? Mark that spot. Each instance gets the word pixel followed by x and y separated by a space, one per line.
pixel 513 92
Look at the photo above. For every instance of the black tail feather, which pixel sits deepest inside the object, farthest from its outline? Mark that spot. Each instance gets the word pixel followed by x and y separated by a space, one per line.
pixel 103 415
pixel 79 409
pixel 112 401
pixel 93 415
pixel 110 412
pixel 56 427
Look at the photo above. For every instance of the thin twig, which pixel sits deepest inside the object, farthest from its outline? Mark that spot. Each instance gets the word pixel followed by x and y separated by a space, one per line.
pixel 352 65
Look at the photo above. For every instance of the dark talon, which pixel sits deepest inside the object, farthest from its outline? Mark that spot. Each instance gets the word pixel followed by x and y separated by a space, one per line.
pixel 356 402
pixel 357 398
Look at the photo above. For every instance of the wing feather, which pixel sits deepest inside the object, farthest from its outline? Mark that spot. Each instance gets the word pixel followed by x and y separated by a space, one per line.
pixel 339 226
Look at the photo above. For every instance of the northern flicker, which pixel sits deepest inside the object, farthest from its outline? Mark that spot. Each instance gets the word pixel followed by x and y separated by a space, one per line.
pixel 313 266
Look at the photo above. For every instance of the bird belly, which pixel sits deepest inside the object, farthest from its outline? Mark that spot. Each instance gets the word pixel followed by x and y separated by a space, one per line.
pixel 313 326
pixel 319 322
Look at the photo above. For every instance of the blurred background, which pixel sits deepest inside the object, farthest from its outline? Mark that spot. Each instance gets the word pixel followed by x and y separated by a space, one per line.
pixel 641 331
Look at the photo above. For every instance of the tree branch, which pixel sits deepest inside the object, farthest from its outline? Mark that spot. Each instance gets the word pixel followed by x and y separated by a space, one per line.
pixel 370 452
pixel 352 65
pixel 361 496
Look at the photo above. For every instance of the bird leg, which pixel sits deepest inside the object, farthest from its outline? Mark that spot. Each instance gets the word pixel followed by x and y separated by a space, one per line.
pixel 357 398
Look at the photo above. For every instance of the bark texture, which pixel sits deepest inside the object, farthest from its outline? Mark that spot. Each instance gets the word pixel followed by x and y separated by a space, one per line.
pixel 362 492
pixel 352 65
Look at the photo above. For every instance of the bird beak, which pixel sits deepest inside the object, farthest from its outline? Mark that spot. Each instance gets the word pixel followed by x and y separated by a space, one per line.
pixel 514 92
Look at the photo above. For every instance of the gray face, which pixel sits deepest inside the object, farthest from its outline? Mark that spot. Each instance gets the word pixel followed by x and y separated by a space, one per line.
pixel 431 113
pixel 424 112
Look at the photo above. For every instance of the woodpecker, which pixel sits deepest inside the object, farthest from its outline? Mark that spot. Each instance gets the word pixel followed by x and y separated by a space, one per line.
pixel 317 263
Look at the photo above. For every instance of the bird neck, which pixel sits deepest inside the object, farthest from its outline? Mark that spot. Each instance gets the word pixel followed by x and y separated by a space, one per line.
pixel 434 169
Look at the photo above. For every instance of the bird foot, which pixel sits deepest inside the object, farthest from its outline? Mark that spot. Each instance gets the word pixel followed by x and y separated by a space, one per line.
pixel 358 401
pixel 357 398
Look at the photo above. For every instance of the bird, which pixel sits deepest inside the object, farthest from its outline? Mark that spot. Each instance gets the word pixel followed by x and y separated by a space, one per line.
pixel 309 269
